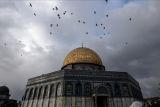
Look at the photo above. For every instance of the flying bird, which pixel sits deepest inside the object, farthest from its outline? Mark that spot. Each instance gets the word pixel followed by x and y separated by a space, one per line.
pixel 30 4
pixel 79 21
pixel 5 44
pixel 104 27
pixel 87 33
pixel 94 12
pixel 130 19
pixel 126 43
pixel 71 13
pixel 59 16
pixel 101 24
pixel 56 8
pixel 96 24
pixel 64 12
pixel 51 25
pixel 84 22
pixel 107 15
pixel 34 14
pixel 57 25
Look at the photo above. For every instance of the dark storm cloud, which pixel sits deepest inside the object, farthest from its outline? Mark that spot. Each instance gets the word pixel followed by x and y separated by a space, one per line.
pixel 140 55
pixel 16 63
pixel 31 51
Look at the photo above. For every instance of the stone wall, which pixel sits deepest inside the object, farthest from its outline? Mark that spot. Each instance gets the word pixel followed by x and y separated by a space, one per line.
pixel 80 89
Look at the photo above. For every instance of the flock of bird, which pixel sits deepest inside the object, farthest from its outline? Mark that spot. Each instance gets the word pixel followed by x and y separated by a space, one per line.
pixel 79 21
pixel 5 44
pixel 59 16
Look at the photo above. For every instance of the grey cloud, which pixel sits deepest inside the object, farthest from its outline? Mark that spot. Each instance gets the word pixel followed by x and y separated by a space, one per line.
pixel 140 57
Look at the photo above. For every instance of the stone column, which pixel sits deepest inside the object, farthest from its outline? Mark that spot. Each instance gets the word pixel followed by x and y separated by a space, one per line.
pixel 33 93
pixel 36 99
pixel 121 96
pixel 113 93
pixel 49 89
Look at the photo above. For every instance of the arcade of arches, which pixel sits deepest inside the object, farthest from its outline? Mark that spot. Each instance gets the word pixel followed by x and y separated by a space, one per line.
pixel 82 82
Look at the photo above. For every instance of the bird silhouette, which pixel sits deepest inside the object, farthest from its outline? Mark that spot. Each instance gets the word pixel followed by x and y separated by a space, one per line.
pixel 130 19
pixel 30 4
pixel 101 24
pixel 56 8
pixel 84 22
pixel 96 24
pixel 126 43
pixel 51 25
pixel 79 21
pixel 87 33
pixel 104 27
pixel 57 25
pixel 94 12
pixel 58 15
pixel 5 44
pixel 64 12
pixel 35 14
pixel 107 15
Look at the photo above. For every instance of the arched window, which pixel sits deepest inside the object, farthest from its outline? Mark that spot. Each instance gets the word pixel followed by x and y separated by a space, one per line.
pixel 40 93
pixel 45 95
pixel 35 93
pixel 102 90
pixel 59 90
pixel 87 89
pixel 134 92
pixel 69 89
pixel 30 94
pixel 78 89
pixel 126 91
pixel 51 94
pixel 109 90
pixel 117 90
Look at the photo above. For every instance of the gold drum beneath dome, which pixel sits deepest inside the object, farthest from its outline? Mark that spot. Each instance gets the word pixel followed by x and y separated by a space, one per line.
pixel 82 55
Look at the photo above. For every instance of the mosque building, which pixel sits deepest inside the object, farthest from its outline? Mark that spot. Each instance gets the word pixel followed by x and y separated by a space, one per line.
pixel 82 81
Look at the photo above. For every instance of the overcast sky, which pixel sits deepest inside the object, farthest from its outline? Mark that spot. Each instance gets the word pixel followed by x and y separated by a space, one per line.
pixel 27 49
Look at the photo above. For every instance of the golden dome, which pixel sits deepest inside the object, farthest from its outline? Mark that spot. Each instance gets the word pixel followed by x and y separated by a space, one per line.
pixel 82 55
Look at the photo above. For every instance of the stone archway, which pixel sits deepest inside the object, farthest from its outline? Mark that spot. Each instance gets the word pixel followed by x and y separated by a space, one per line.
pixel 102 101
pixel 101 96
